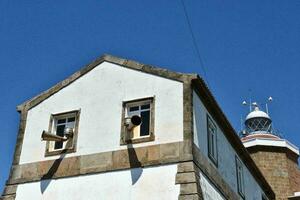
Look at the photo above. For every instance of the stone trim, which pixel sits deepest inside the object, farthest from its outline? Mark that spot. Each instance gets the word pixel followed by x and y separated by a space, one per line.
pixel 188 179
pixel 124 132
pixel 101 162
pixel 9 191
pixel 188 127
pixel 21 132
pixel 130 64
pixel 216 112
pixel 8 197
pixel 71 145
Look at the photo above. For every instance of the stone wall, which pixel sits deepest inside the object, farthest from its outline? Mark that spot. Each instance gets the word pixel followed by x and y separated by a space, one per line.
pixel 294 172
pixel 280 169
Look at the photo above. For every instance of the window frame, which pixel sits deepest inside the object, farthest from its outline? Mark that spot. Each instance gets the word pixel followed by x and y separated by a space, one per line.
pixel 213 157
pixel 71 145
pixel 124 132
pixel 240 179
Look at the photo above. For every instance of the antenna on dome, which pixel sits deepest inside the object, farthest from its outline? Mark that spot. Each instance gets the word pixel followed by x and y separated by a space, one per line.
pixel 250 100
pixel 244 103
pixel 270 99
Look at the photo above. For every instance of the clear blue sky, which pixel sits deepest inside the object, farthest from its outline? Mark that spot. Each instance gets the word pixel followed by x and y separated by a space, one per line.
pixel 244 45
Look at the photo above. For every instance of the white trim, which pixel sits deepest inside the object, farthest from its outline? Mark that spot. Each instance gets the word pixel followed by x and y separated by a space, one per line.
pixel 297 194
pixel 271 142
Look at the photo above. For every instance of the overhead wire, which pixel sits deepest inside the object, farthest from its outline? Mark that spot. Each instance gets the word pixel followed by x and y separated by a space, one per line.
pixel 195 42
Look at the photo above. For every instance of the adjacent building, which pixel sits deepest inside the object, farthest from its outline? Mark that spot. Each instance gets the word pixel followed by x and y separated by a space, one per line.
pixel 119 129
pixel 277 158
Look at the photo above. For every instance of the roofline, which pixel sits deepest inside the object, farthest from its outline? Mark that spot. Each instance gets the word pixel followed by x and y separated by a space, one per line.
pixel 215 110
pixel 104 58
pixel 197 81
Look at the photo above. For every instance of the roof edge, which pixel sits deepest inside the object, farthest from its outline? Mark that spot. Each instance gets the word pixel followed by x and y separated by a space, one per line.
pixel 231 135
pixel 130 64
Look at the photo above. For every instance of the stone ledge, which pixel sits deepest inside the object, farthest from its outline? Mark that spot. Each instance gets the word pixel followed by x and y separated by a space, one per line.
pixel 102 162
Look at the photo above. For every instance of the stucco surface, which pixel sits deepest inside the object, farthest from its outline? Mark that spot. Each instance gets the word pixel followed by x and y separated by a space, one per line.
pixel 99 95
pixel 209 191
pixel 153 183
pixel 226 154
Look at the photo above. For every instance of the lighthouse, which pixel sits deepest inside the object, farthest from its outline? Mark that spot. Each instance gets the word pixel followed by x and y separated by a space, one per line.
pixel 276 157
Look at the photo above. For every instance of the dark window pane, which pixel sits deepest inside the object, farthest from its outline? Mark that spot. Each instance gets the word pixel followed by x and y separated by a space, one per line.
pixel 147 106
pixel 60 132
pixel 145 123
pixel 133 108
pixel 61 121
pixel 72 119
pixel 212 146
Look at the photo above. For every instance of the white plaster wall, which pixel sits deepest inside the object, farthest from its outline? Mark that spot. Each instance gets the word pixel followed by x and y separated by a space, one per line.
pixel 99 95
pixel 226 153
pixel 155 183
pixel 209 191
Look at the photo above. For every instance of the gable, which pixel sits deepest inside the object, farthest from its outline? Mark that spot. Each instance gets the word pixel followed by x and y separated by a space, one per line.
pixel 129 64
pixel 99 96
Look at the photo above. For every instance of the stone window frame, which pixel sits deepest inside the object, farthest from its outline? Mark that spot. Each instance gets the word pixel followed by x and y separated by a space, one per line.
pixel 151 136
pixel 213 158
pixel 71 145
pixel 240 179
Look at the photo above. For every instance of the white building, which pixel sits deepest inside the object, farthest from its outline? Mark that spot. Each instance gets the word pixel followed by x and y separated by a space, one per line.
pixel 185 148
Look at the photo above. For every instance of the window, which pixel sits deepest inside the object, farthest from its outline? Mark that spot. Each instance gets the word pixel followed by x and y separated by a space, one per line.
pixel 144 108
pixel 212 140
pixel 57 126
pixel 240 177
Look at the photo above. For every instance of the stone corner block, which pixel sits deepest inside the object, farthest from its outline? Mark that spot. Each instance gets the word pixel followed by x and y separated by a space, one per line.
pixel 185 167
pixel 189 188
pixel 189 197
pixel 188 177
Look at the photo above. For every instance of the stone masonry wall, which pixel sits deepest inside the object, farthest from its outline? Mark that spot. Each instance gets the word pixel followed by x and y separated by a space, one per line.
pixel 279 170
pixel 294 172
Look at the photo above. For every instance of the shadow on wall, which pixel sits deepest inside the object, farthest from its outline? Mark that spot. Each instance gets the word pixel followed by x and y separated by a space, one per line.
pixel 46 179
pixel 136 169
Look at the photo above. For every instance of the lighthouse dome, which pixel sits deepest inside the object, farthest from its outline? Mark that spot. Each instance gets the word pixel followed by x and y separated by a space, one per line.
pixel 258 121
pixel 257 114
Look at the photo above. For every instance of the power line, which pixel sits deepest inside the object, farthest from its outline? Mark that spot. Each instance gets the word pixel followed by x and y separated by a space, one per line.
pixel 194 42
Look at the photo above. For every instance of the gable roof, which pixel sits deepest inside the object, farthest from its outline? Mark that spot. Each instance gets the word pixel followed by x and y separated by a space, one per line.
pixel 198 85
pixel 105 58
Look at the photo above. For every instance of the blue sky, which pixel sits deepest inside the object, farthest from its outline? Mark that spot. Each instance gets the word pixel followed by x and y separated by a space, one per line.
pixel 244 45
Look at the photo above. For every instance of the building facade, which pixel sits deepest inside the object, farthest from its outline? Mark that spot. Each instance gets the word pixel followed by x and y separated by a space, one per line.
pixel 182 148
